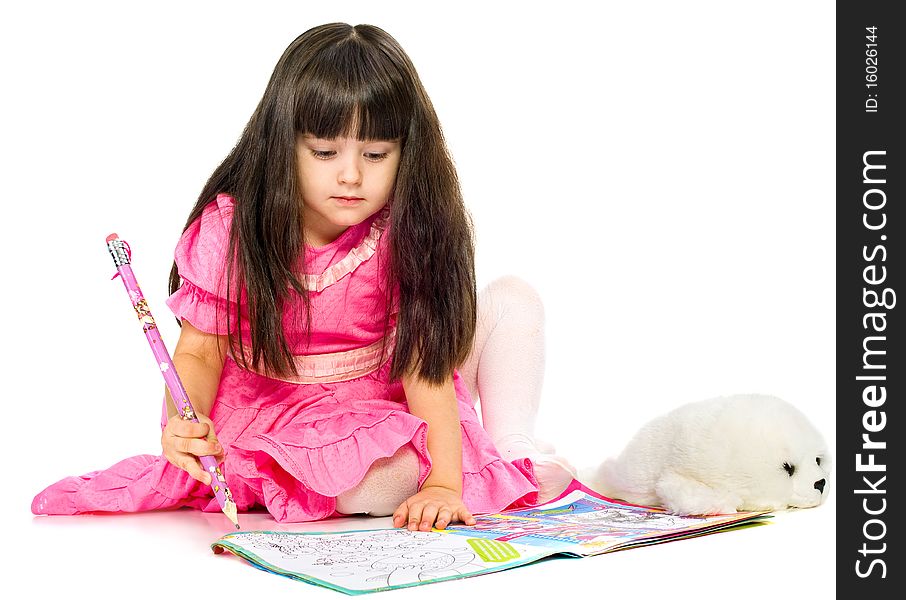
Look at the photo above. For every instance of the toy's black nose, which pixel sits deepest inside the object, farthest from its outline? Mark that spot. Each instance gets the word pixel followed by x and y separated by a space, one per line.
pixel 819 485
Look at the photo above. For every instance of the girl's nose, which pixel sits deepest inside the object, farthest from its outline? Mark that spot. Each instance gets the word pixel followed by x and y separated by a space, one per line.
pixel 350 173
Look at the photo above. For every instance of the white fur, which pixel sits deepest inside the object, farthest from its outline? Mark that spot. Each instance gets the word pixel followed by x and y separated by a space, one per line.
pixel 720 456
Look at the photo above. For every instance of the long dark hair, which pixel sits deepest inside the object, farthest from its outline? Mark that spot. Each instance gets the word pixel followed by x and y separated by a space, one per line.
pixel 331 79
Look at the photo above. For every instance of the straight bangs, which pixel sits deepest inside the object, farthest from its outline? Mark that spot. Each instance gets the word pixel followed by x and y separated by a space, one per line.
pixel 351 90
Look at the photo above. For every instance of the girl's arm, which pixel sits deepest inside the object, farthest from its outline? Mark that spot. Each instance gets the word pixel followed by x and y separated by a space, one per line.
pixel 440 498
pixel 199 363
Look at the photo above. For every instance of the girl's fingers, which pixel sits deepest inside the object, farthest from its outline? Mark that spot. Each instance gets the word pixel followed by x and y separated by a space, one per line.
pixel 191 466
pixel 466 517
pixel 197 447
pixel 429 515
pixel 184 452
pixel 400 514
pixel 415 516
pixel 188 429
pixel 206 448
pixel 422 517
pixel 444 516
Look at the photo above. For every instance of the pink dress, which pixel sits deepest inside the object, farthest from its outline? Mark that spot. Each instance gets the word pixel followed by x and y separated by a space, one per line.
pixel 292 446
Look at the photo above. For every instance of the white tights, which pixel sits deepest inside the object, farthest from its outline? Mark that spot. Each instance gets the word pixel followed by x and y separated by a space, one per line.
pixel 505 371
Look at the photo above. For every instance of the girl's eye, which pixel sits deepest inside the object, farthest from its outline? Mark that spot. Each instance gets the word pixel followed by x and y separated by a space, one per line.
pixel 789 468
pixel 370 156
pixel 818 460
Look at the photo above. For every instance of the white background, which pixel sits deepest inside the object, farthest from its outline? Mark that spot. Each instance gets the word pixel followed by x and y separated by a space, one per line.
pixel 661 172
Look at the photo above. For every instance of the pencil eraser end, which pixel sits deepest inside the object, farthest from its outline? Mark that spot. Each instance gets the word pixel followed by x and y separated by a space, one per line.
pixel 112 237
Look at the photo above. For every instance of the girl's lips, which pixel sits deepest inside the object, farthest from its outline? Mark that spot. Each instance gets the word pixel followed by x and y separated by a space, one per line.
pixel 348 200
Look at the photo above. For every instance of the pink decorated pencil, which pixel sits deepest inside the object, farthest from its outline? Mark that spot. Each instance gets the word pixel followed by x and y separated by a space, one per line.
pixel 122 258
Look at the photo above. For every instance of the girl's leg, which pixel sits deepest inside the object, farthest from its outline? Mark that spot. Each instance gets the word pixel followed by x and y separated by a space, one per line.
pixel 385 486
pixel 505 371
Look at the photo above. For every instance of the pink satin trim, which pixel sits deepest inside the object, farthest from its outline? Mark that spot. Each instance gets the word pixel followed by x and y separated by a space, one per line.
pixel 356 256
pixel 332 367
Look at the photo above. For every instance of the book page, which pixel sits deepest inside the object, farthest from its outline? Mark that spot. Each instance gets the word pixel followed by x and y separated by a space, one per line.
pixel 583 524
pixel 578 524
pixel 374 560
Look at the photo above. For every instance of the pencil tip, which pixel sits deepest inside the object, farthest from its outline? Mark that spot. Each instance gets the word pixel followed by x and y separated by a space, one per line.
pixel 229 509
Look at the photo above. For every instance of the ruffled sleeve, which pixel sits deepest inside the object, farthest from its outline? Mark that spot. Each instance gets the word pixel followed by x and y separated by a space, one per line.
pixel 201 257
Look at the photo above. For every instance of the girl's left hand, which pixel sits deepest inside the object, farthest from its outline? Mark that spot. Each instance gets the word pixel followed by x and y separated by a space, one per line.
pixel 433 506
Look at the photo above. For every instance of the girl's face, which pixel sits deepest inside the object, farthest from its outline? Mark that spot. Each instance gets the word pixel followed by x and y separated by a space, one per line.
pixel 344 181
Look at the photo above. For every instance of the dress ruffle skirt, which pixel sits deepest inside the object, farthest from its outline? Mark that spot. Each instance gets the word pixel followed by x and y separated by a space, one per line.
pixel 293 455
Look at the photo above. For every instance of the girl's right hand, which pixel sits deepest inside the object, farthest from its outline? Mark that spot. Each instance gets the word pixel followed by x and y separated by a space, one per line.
pixel 184 441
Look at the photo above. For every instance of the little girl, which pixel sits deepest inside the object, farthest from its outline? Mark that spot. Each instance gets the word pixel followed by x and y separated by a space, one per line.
pixel 325 287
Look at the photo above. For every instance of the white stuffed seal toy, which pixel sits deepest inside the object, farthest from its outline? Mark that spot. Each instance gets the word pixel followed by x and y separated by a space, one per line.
pixel 718 456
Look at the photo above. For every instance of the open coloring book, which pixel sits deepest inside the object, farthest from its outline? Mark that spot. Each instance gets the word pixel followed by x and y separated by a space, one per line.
pixel 580 523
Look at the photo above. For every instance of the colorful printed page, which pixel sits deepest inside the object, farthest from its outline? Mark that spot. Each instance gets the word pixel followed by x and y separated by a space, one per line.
pixel 582 524
pixel 578 524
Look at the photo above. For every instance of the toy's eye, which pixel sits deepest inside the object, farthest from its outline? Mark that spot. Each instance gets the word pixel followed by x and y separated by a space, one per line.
pixel 789 468
pixel 818 460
